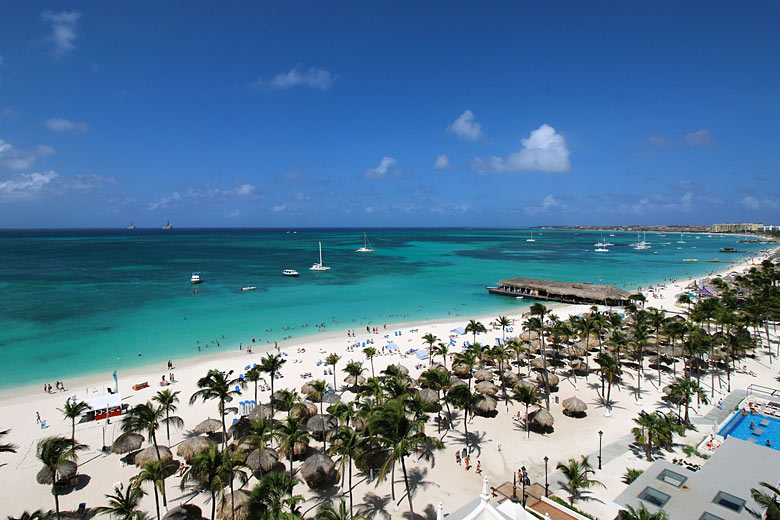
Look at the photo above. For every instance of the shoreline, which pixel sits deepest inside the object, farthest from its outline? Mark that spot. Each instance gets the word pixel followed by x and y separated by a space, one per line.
pixel 229 353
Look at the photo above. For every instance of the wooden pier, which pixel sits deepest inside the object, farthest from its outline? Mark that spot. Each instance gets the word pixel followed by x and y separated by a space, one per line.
pixel 565 292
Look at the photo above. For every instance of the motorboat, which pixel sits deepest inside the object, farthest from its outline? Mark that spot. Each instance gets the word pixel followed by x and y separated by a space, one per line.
pixel 601 250
pixel 290 272
pixel 318 265
pixel 131 226
pixel 195 278
pixel 168 225
pixel 366 246
pixel 249 288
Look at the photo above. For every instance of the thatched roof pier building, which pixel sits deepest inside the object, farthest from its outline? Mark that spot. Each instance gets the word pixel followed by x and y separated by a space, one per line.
pixel 565 292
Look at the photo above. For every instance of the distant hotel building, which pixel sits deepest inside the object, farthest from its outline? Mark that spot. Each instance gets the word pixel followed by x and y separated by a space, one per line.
pixel 737 228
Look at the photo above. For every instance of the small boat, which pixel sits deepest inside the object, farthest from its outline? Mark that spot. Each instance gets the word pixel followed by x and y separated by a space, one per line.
pixel 168 225
pixel 601 250
pixel 131 226
pixel 318 266
pixel 249 288
pixel 681 241
pixel 531 239
pixel 690 259
pixel 366 246
pixel 195 278
pixel 289 272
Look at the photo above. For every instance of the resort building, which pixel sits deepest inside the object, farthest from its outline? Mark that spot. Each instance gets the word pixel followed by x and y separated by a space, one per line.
pixel 565 292
pixel 720 490
pixel 737 228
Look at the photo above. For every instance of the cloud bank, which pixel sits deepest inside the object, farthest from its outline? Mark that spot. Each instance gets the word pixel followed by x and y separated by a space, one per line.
pixel 63 31
pixel 544 150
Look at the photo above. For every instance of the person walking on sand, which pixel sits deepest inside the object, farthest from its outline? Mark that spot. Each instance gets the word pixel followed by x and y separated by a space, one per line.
pixel 479 467
pixel 457 454
pixel 38 417
pixel 467 461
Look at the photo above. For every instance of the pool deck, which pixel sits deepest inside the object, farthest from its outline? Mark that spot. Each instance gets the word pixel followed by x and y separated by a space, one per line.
pixel 718 415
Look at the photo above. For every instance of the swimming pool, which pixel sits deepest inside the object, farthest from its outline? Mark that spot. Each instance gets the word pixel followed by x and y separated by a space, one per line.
pixel 764 429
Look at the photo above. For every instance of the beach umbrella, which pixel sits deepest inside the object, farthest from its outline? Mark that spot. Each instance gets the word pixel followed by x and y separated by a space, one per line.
pixel 191 447
pixel 127 442
pixel 575 405
pixel 574 351
pixel 260 411
pixel 239 500
pixel 485 405
pixel 265 462
pixel 308 390
pixel 537 363
pixel 458 382
pixel 404 371
pixel 542 417
pixel 458 330
pixel 244 446
pixel 461 370
pixel 428 396
pixel 438 367
pixel 483 375
pixel 577 365
pixel 528 336
pixel 303 410
pixel 209 426
pixel 320 423
pixel 526 384
pixel 422 354
pixel 486 387
pixel 552 379
pixel 239 428
pixel 184 512
pixel 510 378
pixel 150 455
pixel 331 398
pixel 300 447
pixel 354 380
pixel 276 399
pixel 318 470
pixel 65 471
pixel 391 346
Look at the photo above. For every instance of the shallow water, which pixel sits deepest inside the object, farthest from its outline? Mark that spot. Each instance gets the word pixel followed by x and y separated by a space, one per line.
pixel 78 302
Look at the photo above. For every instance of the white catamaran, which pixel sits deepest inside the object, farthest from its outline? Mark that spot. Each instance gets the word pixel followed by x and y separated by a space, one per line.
pixel 531 239
pixel 366 246
pixel 318 266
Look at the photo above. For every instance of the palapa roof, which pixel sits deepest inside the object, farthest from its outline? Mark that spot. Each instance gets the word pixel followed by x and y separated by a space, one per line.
pixel 578 290
pixel 184 512
pixel 574 404
pixel 318 470
pixel 65 470
pixel 209 426
pixel 127 442
pixel 150 455
pixel 542 417
pixel 191 447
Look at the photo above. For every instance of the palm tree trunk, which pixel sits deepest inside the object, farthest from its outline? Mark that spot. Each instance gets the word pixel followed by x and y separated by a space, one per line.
pixel 168 426
pixel 406 481
pixel 57 498
pixel 372 366
pixel 527 424
pixel 213 504
pixel 351 515
pixel 449 415
pixel 224 428
pixel 159 459
pixel 272 401
pixel 291 457
pixel 256 392
pixel 232 500
pixel 73 432
pixel 157 501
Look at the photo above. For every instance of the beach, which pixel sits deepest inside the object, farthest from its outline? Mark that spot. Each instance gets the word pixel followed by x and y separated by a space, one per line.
pixel 499 443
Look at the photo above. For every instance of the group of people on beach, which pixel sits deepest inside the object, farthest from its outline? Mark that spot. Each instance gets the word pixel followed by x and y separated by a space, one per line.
pixel 466 458
pixel 59 385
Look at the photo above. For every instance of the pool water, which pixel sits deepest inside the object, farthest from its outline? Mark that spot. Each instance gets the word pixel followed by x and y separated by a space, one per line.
pixel 764 429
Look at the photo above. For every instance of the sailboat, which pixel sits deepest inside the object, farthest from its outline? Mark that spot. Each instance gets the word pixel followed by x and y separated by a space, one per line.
pixel 603 243
pixel 643 244
pixel 131 226
pixel 366 246
pixel 168 225
pixel 681 241
pixel 531 239
pixel 318 266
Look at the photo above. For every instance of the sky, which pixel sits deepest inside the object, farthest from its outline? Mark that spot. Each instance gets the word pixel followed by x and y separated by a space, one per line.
pixel 384 114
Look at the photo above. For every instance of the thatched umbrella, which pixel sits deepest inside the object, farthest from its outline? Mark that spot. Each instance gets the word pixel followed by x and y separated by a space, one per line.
pixel 537 363
pixel 260 411
pixel 458 382
pixel 486 405
pixel 525 383
pixel 483 375
pixel 319 424
pixel 66 470
pixel 209 426
pixel 510 378
pixel 303 410
pixel 486 387
pixel 360 423
pixel 331 398
pixel 300 447
pixel 239 428
pixel 438 367
pixel 244 446
pixel 574 351
pixel 308 390
pixel 127 442
pixel 542 417
pixel 461 370
pixel 552 379
pixel 150 455
pixel 529 335
pixel 265 462
pixel 191 447
pixel 577 365
pixel 318 470
pixel 239 500
pixel 184 512
pixel 354 380
pixel 574 405
pixel 429 396
pixel 276 398
pixel 402 369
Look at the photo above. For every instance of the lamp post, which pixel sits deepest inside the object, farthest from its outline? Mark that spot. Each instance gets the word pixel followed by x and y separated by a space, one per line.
pixel 514 488
pixel 523 475
pixel 546 487
pixel 601 433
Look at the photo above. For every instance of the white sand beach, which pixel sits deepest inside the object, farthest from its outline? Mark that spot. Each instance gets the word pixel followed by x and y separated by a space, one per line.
pixel 500 443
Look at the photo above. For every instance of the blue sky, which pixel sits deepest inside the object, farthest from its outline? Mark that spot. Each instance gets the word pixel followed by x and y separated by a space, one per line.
pixel 388 113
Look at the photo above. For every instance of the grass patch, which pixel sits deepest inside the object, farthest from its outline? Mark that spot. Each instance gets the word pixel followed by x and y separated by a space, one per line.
pixel 564 503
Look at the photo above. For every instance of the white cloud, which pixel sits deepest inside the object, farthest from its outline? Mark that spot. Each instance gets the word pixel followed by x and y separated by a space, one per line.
pixel 26 185
pixel 544 150
pixel 658 202
pixel 63 31
pixel 380 171
pixel 199 194
pixel 755 204
pixel 245 190
pixel 59 124
pixel 279 208
pixel 466 127
pixel 313 77
pixel 15 159
pixel 549 203
pixel 442 163
pixel 701 138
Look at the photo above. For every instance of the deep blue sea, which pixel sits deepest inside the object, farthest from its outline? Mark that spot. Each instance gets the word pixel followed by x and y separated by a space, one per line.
pixel 74 302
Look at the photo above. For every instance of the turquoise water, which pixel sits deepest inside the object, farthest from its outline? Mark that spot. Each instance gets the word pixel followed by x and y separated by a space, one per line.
pixel 79 302
pixel 739 427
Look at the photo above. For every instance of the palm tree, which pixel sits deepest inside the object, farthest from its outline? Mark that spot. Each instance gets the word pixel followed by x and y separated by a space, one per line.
pixel 527 396
pixel 504 322
pixel 208 468
pixel 370 352
pixel 289 433
pixel 402 436
pixel 537 324
pixel 441 350
pixel 153 472
pixel 439 381
pixel 468 359
pixel 610 369
pixel 475 328
pixel 346 443
pixel 54 453
pixel 655 429
pixel 354 370
pixel 73 410
pixel 253 375
pixel 258 432
pixel 218 385
pixel 286 399
pixel 167 401
pixel 577 474
pixel 6 447
pixel 516 346
pixel 683 391
pixel 233 467
pixel 271 364
pixel 35 515
pixel 320 389
pixel 641 336
pixel 768 501
pixel 333 360
pixel 462 397
pixel 145 418
pixel 330 512
pixel 641 513
pixel 124 506
pixel 273 499
pixel 430 340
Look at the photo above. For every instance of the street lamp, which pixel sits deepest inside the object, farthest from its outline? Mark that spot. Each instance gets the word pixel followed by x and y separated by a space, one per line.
pixel 546 487
pixel 523 476
pixel 601 433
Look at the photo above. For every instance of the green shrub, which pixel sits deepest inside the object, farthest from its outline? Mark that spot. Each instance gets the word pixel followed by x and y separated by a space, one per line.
pixel 631 475
pixel 562 502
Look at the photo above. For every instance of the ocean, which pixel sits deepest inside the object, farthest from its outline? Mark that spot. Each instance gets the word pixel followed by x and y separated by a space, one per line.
pixel 77 302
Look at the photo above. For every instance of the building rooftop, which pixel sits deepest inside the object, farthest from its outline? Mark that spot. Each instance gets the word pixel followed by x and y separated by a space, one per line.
pixel 719 490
